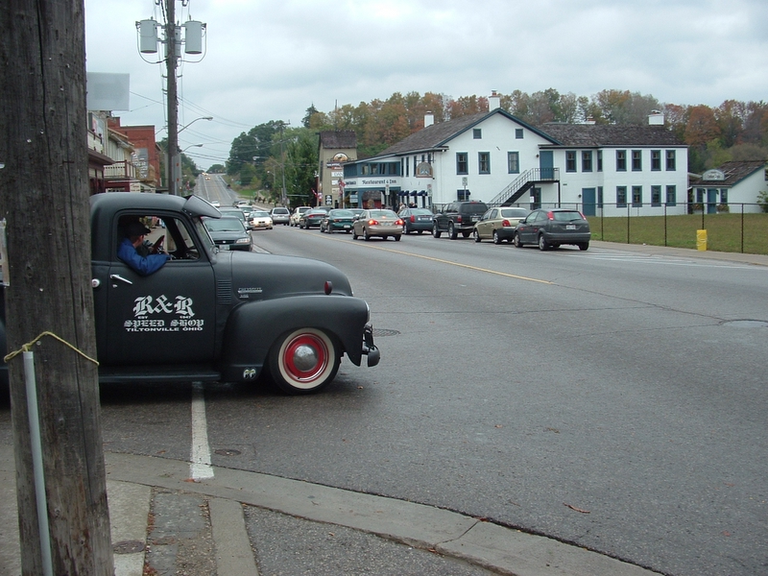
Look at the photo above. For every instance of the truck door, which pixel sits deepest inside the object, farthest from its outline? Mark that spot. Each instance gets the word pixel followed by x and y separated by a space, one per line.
pixel 167 317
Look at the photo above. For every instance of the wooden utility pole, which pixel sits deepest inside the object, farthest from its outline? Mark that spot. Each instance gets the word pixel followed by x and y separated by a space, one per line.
pixel 171 62
pixel 44 199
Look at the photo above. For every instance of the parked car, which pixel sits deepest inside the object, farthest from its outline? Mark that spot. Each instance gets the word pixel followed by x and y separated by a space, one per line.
pixel 280 215
pixel 337 219
pixel 260 219
pixel 417 220
pixel 235 212
pixel 312 217
pixel 498 224
pixel 378 222
pixel 228 232
pixel 549 228
pixel 458 217
pixel 296 215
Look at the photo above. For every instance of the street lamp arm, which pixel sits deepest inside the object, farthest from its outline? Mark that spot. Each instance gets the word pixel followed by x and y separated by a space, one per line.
pixel 193 121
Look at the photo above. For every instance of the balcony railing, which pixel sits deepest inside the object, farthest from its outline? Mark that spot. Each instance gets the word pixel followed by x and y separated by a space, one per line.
pixel 121 170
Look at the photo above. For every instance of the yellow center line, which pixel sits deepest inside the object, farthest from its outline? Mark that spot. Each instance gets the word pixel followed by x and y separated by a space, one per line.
pixel 460 265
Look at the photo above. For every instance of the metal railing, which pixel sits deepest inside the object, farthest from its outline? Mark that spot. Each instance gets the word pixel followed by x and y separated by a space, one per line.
pixel 525 181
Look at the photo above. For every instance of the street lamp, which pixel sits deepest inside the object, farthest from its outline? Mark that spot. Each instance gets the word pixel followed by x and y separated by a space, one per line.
pixel 193 121
pixel 177 165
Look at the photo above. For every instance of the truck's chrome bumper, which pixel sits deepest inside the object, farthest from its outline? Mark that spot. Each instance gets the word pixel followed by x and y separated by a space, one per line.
pixel 369 348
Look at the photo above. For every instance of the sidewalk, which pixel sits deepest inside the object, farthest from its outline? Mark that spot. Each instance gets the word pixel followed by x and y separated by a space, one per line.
pixel 240 523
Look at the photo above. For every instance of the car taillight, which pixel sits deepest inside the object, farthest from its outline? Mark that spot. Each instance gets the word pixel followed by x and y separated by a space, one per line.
pixel 505 223
pixel 373 222
pixel 458 218
pixel 400 222
pixel 412 218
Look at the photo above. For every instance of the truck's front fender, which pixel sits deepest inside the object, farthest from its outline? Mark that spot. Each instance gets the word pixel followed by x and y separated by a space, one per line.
pixel 253 327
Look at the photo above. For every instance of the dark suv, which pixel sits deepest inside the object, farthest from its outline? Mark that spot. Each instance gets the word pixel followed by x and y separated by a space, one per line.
pixel 458 217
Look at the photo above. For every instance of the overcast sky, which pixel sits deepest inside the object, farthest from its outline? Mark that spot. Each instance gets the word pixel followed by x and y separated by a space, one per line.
pixel 270 60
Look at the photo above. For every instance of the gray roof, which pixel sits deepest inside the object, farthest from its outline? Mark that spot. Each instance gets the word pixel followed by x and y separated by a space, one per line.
pixel 601 135
pixel 734 172
pixel 336 139
pixel 437 135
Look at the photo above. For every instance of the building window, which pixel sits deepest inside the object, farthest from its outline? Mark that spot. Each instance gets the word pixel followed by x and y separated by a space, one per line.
pixel 518 133
pixel 477 133
pixel 462 195
pixel 621 160
pixel 462 163
pixel 621 196
pixel 655 160
pixel 671 195
pixel 655 195
pixel 599 160
pixel 586 161
pixel 637 196
pixel 637 160
pixel 724 195
pixel 570 161
pixel 671 162
pixel 407 167
pixel 484 162
pixel 513 162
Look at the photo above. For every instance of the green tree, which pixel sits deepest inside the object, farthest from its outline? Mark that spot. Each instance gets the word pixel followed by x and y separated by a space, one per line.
pixel 247 175
pixel 301 159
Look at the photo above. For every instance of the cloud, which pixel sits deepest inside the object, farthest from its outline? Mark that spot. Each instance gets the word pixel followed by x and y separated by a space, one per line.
pixel 271 60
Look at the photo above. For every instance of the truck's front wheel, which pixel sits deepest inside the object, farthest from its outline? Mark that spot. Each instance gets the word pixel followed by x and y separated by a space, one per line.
pixel 304 361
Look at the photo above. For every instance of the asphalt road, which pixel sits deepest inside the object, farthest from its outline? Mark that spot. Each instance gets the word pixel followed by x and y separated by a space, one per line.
pixel 607 398
pixel 213 187
pixel 611 399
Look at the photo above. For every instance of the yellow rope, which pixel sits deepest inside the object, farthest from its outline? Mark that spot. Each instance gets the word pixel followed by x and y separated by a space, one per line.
pixel 28 345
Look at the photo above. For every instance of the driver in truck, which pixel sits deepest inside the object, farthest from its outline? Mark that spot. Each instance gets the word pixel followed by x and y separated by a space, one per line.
pixel 128 250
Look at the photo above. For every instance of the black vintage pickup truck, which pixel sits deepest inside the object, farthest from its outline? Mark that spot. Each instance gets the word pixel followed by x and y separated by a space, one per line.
pixel 216 315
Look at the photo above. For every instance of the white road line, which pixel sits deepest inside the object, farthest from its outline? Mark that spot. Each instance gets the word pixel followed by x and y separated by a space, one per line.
pixel 200 467
pixel 667 260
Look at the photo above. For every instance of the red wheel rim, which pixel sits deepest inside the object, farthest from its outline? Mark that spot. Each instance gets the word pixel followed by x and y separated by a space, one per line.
pixel 305 357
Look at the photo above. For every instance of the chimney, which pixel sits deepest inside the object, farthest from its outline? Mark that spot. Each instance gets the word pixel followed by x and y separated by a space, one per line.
pixel 494 101
pixel 429 118
pixel 655 118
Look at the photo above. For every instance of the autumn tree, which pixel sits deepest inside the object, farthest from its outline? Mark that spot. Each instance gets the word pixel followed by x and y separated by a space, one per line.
pixel 701 127
pixel 466 106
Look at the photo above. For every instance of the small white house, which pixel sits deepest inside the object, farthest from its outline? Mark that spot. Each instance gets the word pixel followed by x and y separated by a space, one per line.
pixel 734 185
pixel 501 160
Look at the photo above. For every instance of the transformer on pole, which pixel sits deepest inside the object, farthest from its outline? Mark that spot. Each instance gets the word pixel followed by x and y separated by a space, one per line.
pixel 151 33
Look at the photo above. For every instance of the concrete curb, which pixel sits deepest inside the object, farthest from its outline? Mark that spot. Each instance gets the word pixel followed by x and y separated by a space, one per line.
pixel 494 547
